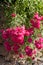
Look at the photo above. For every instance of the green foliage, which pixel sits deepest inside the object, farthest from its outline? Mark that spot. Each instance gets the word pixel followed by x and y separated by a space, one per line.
pixel 24 8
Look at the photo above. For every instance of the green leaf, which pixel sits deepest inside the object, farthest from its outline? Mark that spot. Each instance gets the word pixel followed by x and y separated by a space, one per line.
pixel 10 1
pixel 29 60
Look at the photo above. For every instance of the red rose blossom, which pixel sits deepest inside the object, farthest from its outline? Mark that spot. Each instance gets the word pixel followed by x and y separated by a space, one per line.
pixel 28 51
pixel 13 14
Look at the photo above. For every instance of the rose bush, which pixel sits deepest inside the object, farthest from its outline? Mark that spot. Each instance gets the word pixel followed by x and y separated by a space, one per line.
pixel 14 38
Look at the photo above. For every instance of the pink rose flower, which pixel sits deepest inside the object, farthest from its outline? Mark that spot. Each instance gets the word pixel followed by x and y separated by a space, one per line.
pixel 27 33
pixel 36 16
pixel 34 51
pixel 31 30
pixel 30 40
pixel 41 39
pixel 38 44
pixel 28 51
pixel 41 18
pixel 16 48
pixel 8 30
pixel 17 35
pixel 21 40
pixel 7 46
pixel 21 55
pixel 4 35
pixel 35 23
pixel 13 14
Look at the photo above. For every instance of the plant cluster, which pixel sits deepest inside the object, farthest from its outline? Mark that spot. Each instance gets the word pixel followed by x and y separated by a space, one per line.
pixel 22 40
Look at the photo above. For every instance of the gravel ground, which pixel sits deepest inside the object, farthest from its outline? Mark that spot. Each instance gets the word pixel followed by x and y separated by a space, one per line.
pixel 3 62
pixel 13 62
